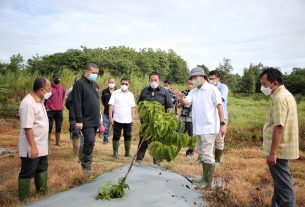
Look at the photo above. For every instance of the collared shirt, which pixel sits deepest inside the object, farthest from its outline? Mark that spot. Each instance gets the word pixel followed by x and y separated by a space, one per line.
pixel 283 112
pixel 85 100
pixel 224 90
pixel 205 115
pixel 122 103
pixel 159 94
pixel 106 94
pixel 55 102
pixel 33 116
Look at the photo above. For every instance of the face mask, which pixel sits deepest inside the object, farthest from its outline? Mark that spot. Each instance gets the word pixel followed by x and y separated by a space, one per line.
pixel 213 82
pixel 56 81
pixel 196 82
pixel 124 87
pixel 154 85
pixel 47 95
pixel 92 77
pixel 266 91
pixel 111 85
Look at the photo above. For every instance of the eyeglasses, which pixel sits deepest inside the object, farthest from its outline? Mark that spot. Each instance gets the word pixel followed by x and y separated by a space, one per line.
pixel 126 84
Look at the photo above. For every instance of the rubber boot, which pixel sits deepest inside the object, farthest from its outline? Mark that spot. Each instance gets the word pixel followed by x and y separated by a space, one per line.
pixel 115 147
pixel 80 154
pixel 41 182
pixel 86 164
pixel 208 173
pixel 75 143
pixel 24 187
pixel 127 145
pixel 57 135
pixel 218 154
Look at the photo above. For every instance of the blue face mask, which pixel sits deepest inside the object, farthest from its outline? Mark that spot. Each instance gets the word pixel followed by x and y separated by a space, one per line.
pixel 196 82
pixel 92 77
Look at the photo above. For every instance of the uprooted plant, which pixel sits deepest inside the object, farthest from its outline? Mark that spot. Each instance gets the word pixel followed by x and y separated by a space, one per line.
pixel 166 139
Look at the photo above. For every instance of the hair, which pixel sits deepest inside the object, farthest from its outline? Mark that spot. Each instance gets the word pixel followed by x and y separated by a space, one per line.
pixel 190 78
pixel 154 73
pixel 39 82
pixel 168 82
pixel 89 65
pixel 273 74
pixel 215 72
pixel 111 78
pixel 125 79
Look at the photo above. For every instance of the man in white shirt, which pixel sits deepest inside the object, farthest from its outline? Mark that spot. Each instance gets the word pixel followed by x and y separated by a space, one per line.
pixel 33 139
pixel 207 118
pixel 121 116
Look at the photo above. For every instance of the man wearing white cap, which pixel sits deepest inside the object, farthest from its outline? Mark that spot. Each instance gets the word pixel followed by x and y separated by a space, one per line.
pixel 207 118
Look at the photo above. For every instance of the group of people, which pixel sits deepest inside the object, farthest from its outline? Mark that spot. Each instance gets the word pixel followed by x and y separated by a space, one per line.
pixel 203 110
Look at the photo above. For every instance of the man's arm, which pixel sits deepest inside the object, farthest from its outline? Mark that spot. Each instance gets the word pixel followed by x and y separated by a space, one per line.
pixel 223 127
pixel 110 114
pixel 30 137
pixel 180 97
pixel 276 140
pixel 132 114
pixel 77 104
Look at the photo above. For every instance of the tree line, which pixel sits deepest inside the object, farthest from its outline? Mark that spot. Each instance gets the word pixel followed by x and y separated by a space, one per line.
pixel 126 61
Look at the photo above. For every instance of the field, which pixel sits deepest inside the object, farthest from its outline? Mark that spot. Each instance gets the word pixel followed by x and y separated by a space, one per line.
pixel 243 173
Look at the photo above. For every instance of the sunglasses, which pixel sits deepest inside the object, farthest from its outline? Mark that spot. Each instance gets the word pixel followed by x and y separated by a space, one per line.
pixel 126 84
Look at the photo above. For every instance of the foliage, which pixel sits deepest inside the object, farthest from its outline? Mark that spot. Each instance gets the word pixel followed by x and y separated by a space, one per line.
pixel 160 128
pixel 108 191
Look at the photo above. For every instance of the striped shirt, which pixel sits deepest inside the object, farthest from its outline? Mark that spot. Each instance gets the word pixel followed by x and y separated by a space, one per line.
pixel 283 111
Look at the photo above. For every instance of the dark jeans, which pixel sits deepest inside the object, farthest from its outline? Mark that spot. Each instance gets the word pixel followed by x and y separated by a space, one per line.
pixel 117 129
pixel 89 140
pixel 188 127
pixel 74 132
pixel 58 117
pixel 284 194
pixel 30 167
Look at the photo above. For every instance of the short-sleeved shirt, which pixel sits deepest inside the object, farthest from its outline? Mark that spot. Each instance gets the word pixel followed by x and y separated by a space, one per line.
pixel 224 90
pixel 205 115
pixel 283 112
pixel 33 116
pixel 160 94
pixel 122 103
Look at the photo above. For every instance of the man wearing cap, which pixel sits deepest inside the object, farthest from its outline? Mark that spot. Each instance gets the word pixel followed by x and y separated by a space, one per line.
pixel 54 106
pixel 207 118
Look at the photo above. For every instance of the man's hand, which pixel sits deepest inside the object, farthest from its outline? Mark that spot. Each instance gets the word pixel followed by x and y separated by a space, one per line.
pixel 223 130
pixel 271 159
pixel 34 152
pixel 178 94
pixel 111 121
pixel 79 125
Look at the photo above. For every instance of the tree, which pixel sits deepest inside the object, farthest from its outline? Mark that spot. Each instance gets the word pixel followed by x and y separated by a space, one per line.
pixel 16 63
pixel 205 68
pixel 295 82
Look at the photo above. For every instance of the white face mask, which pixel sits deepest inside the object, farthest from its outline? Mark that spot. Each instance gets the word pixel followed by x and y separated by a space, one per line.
pixel 213 82
pixel 111 85
pixel 124 87
pixel 266 91
pixel 47 95
pixel 154 85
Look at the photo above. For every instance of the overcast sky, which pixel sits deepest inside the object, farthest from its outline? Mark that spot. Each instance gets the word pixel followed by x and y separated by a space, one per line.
pixel 200 31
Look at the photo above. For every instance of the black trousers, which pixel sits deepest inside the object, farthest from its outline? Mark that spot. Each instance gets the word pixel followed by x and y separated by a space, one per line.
pixel 284 194
pixel 89 140
pixel 188 127
pixel 58 117
pixel 142 149
pixel 30 167
pixel 117 129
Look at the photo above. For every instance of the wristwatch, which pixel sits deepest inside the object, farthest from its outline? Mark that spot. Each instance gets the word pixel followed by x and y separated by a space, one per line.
pixel 222 123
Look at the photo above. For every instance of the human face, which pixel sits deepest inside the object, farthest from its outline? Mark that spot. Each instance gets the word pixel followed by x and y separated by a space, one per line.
pixel 190 84
pixel 111 83
pixel 154 78
pixel 45 90
pixel 198 81
pixel 91 70
pixel 267 84
pixel 167 86
pixel 124 85
pixel 213 80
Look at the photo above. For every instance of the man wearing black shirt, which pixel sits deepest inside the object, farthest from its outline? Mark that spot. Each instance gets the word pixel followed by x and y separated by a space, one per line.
pixel 85 99
pixel 106 94
pixel 154 92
